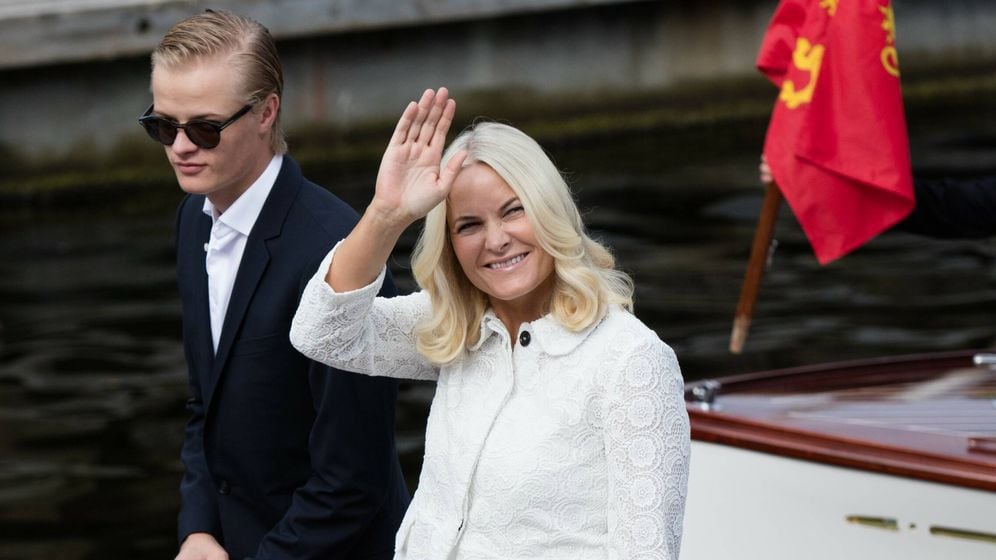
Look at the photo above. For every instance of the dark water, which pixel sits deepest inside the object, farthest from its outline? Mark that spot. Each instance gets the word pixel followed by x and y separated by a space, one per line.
pixel 92 380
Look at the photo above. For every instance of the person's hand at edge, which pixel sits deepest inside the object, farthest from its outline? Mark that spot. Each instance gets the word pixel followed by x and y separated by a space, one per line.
pixel 765 172
pixel 201 546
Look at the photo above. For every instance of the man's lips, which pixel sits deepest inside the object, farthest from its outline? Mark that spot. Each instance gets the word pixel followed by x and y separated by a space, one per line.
pixel 188 167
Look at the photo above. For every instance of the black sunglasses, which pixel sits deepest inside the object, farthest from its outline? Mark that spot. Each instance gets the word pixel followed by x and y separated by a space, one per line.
pixel 203 133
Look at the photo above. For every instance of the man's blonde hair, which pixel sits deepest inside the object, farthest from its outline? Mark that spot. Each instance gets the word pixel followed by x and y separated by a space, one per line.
pixel 245 42
pixel 586 280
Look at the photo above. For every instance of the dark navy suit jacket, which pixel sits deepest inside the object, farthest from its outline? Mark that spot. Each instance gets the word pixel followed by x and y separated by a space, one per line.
pixel 283 457
pixel 953 208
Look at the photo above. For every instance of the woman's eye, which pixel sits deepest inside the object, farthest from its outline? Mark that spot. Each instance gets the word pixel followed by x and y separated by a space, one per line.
pixel 514 211
pixel 465 227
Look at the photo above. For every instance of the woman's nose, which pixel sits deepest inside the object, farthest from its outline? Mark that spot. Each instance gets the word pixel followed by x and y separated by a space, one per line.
pixel 498 239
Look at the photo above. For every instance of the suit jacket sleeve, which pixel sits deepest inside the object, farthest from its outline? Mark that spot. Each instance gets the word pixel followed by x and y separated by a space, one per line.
pixel 198 505
pixel 198 508
pixel 352 457
pixel 953 208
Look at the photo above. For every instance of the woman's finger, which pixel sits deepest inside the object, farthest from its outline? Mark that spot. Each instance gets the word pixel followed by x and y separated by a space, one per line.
pixel 427 132
pixel 453 167
pixel 443 126
pixel 404 123
pixel 424 106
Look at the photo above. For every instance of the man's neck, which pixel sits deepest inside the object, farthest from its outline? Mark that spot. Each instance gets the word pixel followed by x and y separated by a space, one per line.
pixel 222 201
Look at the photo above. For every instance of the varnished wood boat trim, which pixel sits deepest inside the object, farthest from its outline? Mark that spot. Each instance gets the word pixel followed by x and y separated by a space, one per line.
pixel 821 448
pixel 842 450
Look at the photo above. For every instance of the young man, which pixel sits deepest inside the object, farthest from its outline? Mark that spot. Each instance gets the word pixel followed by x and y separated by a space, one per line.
pixel 283 457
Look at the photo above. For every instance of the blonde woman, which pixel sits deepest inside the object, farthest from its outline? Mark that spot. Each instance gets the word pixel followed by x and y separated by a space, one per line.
pixel 558 428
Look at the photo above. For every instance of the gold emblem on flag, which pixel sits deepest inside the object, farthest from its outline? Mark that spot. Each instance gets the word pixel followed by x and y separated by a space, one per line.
pixel 889 55
pixel 808 58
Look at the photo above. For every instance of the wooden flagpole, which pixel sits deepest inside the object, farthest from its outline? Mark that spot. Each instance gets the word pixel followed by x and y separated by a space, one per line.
pixel 755 267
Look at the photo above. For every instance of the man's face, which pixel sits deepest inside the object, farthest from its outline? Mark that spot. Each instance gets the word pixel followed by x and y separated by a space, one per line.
pixel 207 89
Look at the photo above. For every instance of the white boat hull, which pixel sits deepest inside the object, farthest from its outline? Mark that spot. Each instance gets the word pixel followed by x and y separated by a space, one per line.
pixel 747 505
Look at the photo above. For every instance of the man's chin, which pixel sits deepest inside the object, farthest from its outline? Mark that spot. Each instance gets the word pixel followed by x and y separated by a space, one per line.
pixel 192 186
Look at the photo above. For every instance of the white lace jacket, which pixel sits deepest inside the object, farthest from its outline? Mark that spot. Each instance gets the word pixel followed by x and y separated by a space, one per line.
pixel 570 446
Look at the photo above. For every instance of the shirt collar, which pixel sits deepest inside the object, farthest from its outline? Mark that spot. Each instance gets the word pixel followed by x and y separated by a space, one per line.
pixel 242 214
pixel 552 337
pixel 490 324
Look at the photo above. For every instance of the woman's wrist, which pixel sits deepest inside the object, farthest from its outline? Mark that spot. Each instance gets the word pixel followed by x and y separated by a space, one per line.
pixel 390 221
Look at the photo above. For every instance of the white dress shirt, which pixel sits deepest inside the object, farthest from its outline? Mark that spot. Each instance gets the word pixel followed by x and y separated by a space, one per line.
pixel 572 445
pixel 229 233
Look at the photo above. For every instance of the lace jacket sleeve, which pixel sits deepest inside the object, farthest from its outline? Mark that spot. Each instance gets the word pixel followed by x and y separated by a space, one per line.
pixel 359 332
pixel 647 446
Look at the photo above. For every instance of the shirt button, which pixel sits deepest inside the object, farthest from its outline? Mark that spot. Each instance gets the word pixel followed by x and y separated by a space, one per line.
pixel 524 338
pixel 224 489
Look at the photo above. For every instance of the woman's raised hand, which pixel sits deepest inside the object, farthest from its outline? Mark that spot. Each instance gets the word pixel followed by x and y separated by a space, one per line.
pixel 410 182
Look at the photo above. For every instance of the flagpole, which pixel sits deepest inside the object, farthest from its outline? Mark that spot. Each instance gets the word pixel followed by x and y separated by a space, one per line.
pixel 755 267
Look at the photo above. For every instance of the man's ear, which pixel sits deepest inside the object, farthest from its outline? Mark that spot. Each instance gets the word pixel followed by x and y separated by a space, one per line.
pixel 268 116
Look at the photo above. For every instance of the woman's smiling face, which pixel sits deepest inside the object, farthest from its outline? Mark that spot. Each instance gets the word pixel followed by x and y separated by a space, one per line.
pixel 494 241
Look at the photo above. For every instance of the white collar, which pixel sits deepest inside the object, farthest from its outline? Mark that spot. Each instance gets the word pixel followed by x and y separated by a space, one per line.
pixel 242 214
pixel 553 338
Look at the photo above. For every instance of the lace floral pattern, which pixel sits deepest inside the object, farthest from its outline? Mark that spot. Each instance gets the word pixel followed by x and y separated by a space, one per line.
pixel 575 446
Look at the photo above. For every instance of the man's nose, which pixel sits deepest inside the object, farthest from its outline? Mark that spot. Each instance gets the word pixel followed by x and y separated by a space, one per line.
pixel 182 144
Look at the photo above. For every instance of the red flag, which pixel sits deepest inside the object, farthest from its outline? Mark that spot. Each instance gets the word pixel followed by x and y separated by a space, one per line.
pixel 837 142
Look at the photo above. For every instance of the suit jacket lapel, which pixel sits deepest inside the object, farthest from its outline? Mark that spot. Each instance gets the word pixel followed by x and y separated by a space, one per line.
pixel 254 261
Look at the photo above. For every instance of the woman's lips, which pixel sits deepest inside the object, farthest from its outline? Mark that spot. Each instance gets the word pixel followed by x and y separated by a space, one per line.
pixel 507 263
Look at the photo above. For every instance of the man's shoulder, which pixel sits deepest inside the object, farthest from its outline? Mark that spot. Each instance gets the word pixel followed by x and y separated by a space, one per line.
pixel 306 192
pixel 322 198
pixel 320 209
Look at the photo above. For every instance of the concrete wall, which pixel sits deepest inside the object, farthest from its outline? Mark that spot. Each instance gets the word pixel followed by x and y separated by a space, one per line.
pixel 52 31
pixel 363 61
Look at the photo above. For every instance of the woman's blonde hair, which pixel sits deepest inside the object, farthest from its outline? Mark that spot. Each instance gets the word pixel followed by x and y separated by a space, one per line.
pixel 586 280
pixel 246 41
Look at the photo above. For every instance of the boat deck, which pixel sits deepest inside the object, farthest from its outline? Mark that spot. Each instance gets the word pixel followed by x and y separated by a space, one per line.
pixel 931 418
